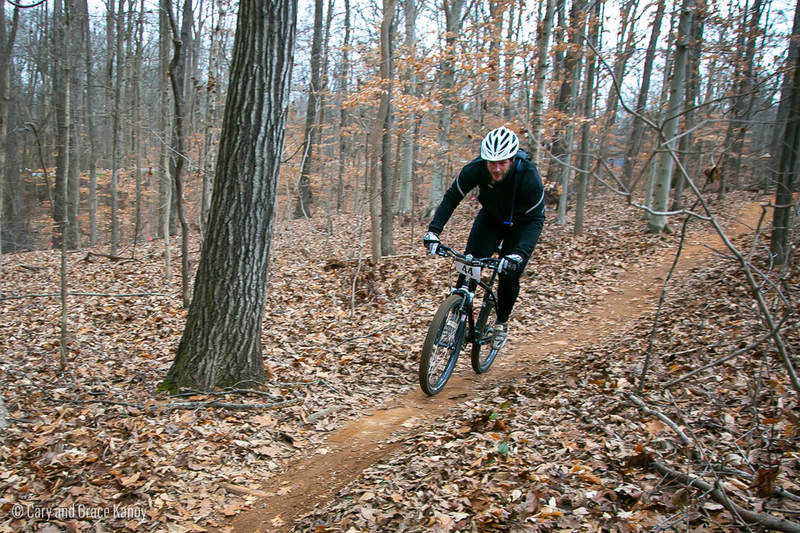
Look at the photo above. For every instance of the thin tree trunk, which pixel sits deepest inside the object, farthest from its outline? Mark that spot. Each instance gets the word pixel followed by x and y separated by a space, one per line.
pixel 540 76
pixel 65 193
pixel 446 88
pixel 406 137
pixel 115 126
pixel 343 112
pixel 385 120
pixel 584 165
pixel 658 222
pixel 304 199
pixel 177 71
pixel 637 129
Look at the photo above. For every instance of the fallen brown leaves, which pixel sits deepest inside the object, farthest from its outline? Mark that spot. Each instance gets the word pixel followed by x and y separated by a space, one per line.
pixel 554 449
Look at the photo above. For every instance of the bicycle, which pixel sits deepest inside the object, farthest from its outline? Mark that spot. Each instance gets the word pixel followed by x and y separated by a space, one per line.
pixel 454 324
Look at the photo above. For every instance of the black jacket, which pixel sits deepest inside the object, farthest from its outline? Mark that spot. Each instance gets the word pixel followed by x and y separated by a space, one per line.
pixel 521 188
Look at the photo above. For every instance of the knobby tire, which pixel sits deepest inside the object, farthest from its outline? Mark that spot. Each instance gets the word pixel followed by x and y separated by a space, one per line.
pixel 442 345
pixel 482 352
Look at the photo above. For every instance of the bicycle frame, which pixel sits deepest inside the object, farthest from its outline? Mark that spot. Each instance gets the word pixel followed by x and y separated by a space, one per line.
pixel 443 343
pixel 464 285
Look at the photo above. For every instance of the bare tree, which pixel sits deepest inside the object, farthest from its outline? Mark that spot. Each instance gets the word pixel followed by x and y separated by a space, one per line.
pixel 221 344
pixel 584 163
pixel 177 73
pixel 379 182
pixel 637 129
pixel 540 76
pixel 302 207
pixel 789 150
pixel 343 74
pixel 657 221
pixel 406 137
pixel 452 14
pixel 743 75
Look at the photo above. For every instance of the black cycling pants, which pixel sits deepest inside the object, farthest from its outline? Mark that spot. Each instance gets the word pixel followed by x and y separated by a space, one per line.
pixel 485 236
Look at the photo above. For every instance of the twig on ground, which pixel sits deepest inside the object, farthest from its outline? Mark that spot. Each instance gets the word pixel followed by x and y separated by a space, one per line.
pixel 185 405
pixel 722 359
pixel 228 405
pixel 661 300
pixel 96 294
pixel 351 339
pixel 664 418
pixel 719 495
pixel 243 491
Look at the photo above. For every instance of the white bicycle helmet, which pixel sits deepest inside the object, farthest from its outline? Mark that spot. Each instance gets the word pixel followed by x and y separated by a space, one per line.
pixel 499 144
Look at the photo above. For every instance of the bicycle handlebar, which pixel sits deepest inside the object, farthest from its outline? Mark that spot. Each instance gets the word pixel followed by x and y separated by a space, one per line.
pixel 488 262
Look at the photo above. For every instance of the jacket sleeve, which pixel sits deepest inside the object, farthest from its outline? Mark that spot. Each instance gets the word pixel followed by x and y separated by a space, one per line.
pixel 530 235
pixel 452 197
pixel 533 227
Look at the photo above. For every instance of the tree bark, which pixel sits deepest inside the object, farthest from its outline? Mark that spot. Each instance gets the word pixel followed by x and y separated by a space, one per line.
pixel 731 160
pixel 658 222
pixel 221 344
pixel 637 129
pixel 584 163
pixel 6 47
pixel 540 77
pixel 385 121
pixel 302 207
pixel 177 73
pixel 343 111
pixel 789 152
pixel 452 12
pixel 406 141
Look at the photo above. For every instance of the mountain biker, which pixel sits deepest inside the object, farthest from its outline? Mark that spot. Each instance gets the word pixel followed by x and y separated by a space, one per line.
pixel 512 212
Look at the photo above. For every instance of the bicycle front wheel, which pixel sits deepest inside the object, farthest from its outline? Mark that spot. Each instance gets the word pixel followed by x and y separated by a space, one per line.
pixel 442 345
pixel 482 352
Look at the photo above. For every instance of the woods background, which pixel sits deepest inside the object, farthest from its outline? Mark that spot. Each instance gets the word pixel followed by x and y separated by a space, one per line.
pixel 388 101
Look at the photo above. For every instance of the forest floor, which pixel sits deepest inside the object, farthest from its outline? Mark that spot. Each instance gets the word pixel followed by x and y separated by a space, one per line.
pixel 554 437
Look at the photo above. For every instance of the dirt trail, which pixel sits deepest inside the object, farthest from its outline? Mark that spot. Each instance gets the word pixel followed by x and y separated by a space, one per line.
pixel 362 442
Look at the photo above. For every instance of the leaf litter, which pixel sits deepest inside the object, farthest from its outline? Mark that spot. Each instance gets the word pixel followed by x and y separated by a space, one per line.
pixel 340 337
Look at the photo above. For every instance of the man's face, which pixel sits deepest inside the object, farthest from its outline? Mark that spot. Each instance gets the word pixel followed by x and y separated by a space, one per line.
pixel 498 169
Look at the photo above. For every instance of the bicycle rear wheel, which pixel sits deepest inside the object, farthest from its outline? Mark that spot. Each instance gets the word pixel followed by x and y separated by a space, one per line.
pixel 482 352
pixel 442 345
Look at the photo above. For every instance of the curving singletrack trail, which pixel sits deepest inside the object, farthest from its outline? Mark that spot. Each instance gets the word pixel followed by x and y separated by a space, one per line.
pixel 363 442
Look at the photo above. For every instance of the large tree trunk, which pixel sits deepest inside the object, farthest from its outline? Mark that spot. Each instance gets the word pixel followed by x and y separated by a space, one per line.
pixel 302 207
pixel 221 344
pixel 658 222
pixel 689 153
pixel 789 152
